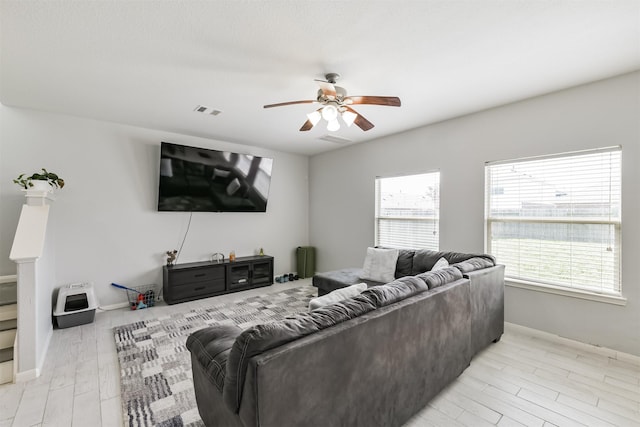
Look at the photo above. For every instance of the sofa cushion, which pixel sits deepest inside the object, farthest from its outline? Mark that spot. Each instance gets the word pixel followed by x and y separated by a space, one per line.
pixel 337 295
pixel 396 291
pixel 475 263
pixel 211 347
pixel 404 263
pixel 440 264
pixel 433 279
pixel 456 257
pixel 380 264
pixel 260 338
pixel 425 259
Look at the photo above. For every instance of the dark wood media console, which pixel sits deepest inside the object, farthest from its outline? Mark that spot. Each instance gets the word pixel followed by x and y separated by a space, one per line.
pixel 195 280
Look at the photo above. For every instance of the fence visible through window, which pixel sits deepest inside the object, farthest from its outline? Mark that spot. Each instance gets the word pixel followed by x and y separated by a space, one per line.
pixel 556 220
pixel 407 211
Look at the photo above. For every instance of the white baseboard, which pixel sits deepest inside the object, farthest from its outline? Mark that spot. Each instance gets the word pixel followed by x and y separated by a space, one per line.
pixel 29 375
pixel 604 351
pixel 113 306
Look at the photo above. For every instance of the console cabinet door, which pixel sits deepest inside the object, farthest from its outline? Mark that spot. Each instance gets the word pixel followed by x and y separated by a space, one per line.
pixel 239 275
pixel 262 272
pixel 250 273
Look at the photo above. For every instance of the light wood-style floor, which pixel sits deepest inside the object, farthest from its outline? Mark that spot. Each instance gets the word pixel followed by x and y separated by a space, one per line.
pixel 528 378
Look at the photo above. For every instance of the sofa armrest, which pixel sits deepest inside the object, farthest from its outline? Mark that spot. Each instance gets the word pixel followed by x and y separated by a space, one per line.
pixel 487 306
pixel 210 348
pixel 332 280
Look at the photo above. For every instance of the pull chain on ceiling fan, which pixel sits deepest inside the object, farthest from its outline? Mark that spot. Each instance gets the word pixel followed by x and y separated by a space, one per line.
pixel 336 103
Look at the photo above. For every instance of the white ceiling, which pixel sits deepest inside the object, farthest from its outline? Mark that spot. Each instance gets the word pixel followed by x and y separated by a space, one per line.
pixel 149 63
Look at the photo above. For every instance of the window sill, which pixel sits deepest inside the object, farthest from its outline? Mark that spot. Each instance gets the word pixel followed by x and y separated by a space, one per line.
pixel 573 293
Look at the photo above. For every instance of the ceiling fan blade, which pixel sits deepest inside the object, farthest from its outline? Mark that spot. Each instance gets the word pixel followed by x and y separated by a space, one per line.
pixel 327 88
pixel 391 101
pixel 281 104
pixel 360 121
pixel 306 126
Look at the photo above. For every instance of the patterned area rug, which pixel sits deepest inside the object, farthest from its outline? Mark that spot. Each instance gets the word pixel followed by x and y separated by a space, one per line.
pixel 155 366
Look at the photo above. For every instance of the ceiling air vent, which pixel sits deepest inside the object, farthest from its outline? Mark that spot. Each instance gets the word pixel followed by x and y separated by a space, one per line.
pixel 335 139
pixel 206 110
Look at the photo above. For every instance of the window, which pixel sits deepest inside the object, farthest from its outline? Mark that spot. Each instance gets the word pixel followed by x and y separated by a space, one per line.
pixel 407 211
pixel 556 220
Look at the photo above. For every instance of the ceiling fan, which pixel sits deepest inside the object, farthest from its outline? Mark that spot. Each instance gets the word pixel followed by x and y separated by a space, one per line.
pixel 335 102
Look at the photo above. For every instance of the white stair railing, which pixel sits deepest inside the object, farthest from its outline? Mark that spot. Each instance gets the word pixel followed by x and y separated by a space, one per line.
pixel 32 251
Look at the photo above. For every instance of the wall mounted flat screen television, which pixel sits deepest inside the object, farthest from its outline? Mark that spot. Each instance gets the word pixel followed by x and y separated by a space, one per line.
pixel 202 180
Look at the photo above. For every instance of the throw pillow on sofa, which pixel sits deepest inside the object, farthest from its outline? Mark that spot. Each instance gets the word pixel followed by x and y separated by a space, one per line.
pixel 380 265
pixel 337 295
pixel 440 264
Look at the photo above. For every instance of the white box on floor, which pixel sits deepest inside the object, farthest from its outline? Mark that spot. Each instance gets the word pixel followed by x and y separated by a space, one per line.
pixel 76 305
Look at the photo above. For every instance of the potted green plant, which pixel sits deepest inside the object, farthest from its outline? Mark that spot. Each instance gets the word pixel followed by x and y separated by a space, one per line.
pixel 43 180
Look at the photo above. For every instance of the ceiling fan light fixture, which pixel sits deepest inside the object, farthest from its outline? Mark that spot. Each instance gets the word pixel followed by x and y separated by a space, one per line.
pixel 348 117
pixel 314 117
pixel 330 112
pixel 334 102
pixel 333 125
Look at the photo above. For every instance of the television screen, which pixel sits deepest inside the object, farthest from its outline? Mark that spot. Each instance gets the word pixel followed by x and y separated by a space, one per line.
pixel 201 180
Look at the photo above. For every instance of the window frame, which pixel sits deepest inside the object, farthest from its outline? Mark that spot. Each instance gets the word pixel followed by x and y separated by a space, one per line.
pixel 430 219
pixel 585 292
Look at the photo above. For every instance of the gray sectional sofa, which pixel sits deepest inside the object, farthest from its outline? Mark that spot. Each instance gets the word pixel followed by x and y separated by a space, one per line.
pixel 486 279
pixel 410 263
pixel 372 360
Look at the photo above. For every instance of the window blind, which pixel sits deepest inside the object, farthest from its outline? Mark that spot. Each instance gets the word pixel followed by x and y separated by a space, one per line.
pixel 407 211
pixel 556 220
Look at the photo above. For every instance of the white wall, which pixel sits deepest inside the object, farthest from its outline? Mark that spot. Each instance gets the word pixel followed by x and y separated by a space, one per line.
pixel 601 114
pixel 107 225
